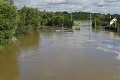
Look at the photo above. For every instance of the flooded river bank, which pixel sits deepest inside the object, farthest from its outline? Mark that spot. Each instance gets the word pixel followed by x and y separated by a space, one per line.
pixel 50 55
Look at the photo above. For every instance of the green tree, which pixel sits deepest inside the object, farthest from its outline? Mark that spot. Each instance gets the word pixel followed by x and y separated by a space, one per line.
pixel 46 18
pixel 1 1
pixel 57 21
pixel 68 23
pixel 8 22
pixel 29 20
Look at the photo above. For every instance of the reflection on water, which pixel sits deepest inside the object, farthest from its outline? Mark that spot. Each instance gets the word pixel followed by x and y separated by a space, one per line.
pixel 9 66
pixel 9 57
pixel 29 40
pixel 50 55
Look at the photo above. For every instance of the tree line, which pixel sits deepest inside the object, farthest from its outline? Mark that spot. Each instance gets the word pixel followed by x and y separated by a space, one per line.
pixel 15 22
pixel 104 20
pixel 98 19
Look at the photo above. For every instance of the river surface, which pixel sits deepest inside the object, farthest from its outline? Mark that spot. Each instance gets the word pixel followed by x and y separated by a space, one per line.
pixel 50 55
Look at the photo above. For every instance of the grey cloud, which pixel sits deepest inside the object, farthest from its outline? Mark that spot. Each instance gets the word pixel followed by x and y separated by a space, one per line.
pixel 102 6
pixel 107 3
pixel 112 0
pixel 54 1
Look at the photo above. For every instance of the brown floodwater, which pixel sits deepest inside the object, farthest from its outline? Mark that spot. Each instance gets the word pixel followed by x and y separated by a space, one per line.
pixel 59 55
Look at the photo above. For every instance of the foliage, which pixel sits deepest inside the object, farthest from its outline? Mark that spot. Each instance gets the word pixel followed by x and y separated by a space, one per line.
pixel 8 22
pixel 28 16
pixel 46 18
pixel 1 1
pixel 9 1
pixel 57 21
pixel 80 15
pixel 104 20
pixel 68 23
pixel 118 25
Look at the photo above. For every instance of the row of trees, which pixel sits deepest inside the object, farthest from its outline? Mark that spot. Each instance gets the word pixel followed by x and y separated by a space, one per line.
pixel 81 15
pixel 15 22
pixel 58 19
pixel 104 20
pixel 8 22
pixel 28 20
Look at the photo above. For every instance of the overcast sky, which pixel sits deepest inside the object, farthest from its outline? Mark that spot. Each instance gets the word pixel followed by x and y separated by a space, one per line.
pixel 97 6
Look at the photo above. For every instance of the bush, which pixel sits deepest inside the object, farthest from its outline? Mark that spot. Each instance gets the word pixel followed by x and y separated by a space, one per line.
pixel 8 22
